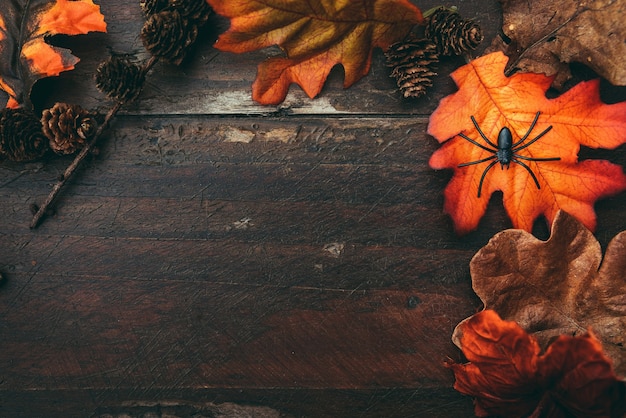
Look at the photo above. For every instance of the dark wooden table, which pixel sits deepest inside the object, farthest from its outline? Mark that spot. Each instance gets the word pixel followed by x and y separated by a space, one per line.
pixel 218 256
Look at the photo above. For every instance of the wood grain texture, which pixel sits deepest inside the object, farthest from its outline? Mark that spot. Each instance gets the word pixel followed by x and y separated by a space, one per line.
pixel 221 257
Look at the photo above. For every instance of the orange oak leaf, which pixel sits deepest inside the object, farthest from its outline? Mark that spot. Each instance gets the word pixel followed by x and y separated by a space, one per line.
pixel 558 286
pixel 508 376
pixel 25 56
pixel 314 35
pixel 530 188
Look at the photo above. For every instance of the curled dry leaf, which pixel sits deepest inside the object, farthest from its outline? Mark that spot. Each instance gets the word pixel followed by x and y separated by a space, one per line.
pixel 546 36
pixel 315 36
pixel 577 117
pixel 25 56
pixel 559 286
pixel 508 376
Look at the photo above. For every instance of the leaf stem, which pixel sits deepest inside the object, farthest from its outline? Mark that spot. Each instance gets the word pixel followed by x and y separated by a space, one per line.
pixel 71 169
pixel 511 66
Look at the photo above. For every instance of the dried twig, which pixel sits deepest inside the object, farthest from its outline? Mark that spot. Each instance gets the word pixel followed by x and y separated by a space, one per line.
pixel 71 169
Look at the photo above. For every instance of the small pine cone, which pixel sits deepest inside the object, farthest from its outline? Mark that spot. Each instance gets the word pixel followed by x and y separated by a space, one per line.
pixel 67 127
pixel 452 34
pixel 120 79
pixel 169 35
pixel 21 137
pixel 413 61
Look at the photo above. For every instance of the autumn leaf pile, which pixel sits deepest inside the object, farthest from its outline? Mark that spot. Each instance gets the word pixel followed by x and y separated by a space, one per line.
pixel 559 349
pixel 551 339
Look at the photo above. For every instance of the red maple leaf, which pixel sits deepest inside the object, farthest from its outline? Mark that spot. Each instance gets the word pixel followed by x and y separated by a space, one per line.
pixel 315 36
pixel 530 188
pixel 507 376
pixel 25 56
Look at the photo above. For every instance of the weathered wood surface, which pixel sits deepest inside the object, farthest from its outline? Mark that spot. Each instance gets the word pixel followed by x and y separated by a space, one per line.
pixel 218 256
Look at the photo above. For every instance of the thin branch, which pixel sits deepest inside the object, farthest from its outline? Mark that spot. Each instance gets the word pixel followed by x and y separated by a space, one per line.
pixel 71 169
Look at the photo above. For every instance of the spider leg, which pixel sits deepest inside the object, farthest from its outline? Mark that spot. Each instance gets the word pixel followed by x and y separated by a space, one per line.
pixel 482 178
pixel 530 129
pixel 467 138
pixel 536 159
pixel 482 134
pixel 477 161
pixel 529 171
pixel 545 131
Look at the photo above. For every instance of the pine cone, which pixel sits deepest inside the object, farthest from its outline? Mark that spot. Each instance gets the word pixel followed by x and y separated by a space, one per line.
pixel 21 137
pixel 452 34
pixel 120 79
pixel 169 35
pixel 413 61
pixel 67 127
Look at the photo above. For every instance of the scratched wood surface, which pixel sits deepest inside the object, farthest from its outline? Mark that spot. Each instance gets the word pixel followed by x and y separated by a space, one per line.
pixel 221 258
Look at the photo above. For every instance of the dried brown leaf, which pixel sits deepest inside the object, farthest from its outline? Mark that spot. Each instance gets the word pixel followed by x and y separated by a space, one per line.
pixel 546 36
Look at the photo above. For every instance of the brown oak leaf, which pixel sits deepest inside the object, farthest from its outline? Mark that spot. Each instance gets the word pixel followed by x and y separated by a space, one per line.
pixel 25 56
pixel 546 36
pixel 559 286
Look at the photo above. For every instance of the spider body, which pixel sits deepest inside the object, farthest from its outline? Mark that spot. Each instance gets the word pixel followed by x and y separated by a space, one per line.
pixel 505 151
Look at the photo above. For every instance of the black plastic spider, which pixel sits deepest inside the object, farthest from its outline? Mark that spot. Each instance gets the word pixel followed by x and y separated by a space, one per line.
pixel 505 152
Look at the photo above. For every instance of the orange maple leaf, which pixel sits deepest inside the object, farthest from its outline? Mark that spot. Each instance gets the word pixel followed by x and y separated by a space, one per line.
pixel 530 188
pixel 507 376
pixel 315 36
pixel 25 57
